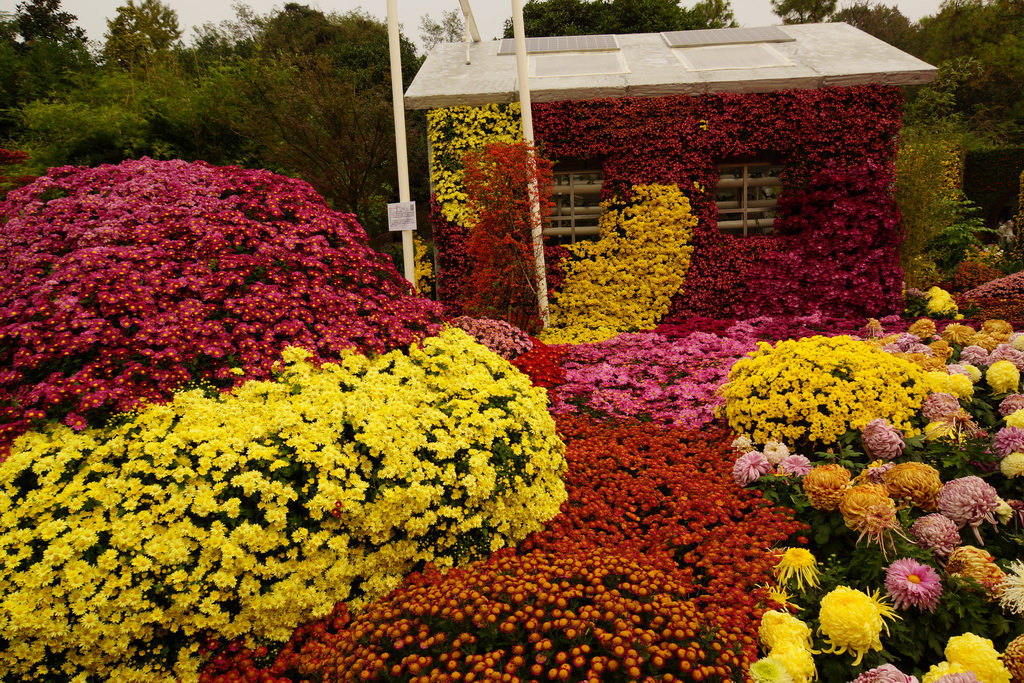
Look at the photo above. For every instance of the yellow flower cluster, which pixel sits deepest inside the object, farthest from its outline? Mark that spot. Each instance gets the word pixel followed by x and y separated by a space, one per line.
pixel 247 513
pixel 424 257
pixel 941 303
pixel 941 381
pixel 625 281
pixel 852 621
pixel 455 131
pixel 788 642
pixel 817 388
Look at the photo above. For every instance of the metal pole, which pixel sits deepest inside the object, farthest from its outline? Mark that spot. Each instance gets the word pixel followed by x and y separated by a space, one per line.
pixel 402 153
pixel 523 75
pixel 467 12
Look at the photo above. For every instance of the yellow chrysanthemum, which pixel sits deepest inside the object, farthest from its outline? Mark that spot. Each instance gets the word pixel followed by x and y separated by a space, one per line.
pixel 914 482
pixel 942 350
pixel 979 656
pixel 1012 465
pixel 779 629
pixel 941 669
pixel 799 564
pixel 984 340
pixel 923 329
pixel 1015 419
pixel 973 371
pixel 940 431
pixel 1000 329
pixel 852 621
pixel 798 661
pixel 937 381
pixel 960 386
pixel 1003 376
pixel 824 485
pixel 958 334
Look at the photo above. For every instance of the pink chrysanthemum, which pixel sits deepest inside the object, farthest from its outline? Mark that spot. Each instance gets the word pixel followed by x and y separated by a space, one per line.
pixel 1008 440
pixel 936 532
pixel 969 501
pixel 887 673
pixel 1008 353
pixel 749 467
pixel 912 584
pixel 1011 404
pixel 939 406
pixel 975 355
pixel 882 440
pixel 795 464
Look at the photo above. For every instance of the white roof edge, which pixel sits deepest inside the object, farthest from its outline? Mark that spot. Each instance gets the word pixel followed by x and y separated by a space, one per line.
pixel 823 55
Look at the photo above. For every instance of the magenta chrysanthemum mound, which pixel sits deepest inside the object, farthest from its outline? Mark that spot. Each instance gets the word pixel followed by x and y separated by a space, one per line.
pixel 122 283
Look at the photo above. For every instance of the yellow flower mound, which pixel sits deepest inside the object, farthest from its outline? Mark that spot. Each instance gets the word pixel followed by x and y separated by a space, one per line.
pixel 979 656
pixel 625 281
pixel 941 303
pixel 1003 376
pixel 940 381
pixel 818 388
pixel 250 512
pixel 852 621
pixel 455 131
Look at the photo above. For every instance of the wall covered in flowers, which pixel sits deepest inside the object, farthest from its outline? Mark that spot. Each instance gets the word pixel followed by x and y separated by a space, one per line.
pixel 838 228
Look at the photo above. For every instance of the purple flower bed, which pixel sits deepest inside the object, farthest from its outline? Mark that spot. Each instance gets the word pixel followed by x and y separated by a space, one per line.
pixel 122 283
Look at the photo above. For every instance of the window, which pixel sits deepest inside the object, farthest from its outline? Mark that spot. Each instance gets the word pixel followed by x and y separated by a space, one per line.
pixel 746 197
pixel 577 205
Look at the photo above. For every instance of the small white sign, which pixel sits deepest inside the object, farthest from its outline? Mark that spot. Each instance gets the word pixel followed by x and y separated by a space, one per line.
pixel 402 216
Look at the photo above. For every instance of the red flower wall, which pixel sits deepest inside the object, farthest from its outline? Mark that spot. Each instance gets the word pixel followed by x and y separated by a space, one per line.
pixel 835 249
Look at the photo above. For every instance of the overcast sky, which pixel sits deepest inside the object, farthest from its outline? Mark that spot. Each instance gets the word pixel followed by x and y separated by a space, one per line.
pixel 490 14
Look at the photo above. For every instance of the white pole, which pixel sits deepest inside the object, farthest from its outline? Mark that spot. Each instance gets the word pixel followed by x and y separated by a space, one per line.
pixel 467 12
pixel 402 153
pixel 526 110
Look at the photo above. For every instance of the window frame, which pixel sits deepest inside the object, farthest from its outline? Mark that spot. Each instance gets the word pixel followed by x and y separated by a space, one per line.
pixel 564 221
pixel 745 226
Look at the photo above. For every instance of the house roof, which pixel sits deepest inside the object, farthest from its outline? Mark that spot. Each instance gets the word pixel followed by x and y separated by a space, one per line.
pixel 647 65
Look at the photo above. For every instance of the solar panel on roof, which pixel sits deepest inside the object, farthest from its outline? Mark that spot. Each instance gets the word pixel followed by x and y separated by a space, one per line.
pixel 726 36
pixel 561 44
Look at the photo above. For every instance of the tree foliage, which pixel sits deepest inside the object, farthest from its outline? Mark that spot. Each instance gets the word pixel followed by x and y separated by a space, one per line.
pixel 803 11
pixel 450 29
pixel 139 32
pixel 884 22
pixel 588 17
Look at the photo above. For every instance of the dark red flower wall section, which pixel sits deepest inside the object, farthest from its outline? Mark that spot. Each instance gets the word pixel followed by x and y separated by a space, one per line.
pixel 835 250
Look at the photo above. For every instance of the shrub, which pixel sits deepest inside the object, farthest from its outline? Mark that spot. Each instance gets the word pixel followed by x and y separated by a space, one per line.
pixel 971 274
pixel 816 389
pixel 626 280
pixel 123 283
pixel 247 513
pixel 1011 286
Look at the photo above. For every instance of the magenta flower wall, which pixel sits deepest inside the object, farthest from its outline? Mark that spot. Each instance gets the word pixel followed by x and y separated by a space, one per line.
pixel 123 283
pixel 839 228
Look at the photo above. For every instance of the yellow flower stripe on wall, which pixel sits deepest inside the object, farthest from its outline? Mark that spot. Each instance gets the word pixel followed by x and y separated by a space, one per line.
pixel 818 388
pixel 247 513
pixel 453 132
pixel 424 265
pixel 625 281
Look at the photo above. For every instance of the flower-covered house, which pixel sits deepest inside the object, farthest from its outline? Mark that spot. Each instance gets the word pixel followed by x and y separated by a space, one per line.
pixel 782 139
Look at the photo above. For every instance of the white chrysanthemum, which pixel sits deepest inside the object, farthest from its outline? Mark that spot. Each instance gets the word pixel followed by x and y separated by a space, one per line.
pixel 775 451
pixel 1012 598
pixel 743 443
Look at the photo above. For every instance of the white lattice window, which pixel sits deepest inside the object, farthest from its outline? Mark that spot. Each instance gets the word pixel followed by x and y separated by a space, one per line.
pixel 747 196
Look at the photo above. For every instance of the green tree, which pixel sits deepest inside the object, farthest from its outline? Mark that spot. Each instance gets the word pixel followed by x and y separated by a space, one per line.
pixel 42 52
pixel 139 32
pixel 450 29
pixel 882 21
pixel 803 11
pixel 587 17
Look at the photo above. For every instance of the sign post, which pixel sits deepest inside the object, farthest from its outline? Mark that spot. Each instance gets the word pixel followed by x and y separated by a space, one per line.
pixel 402 153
